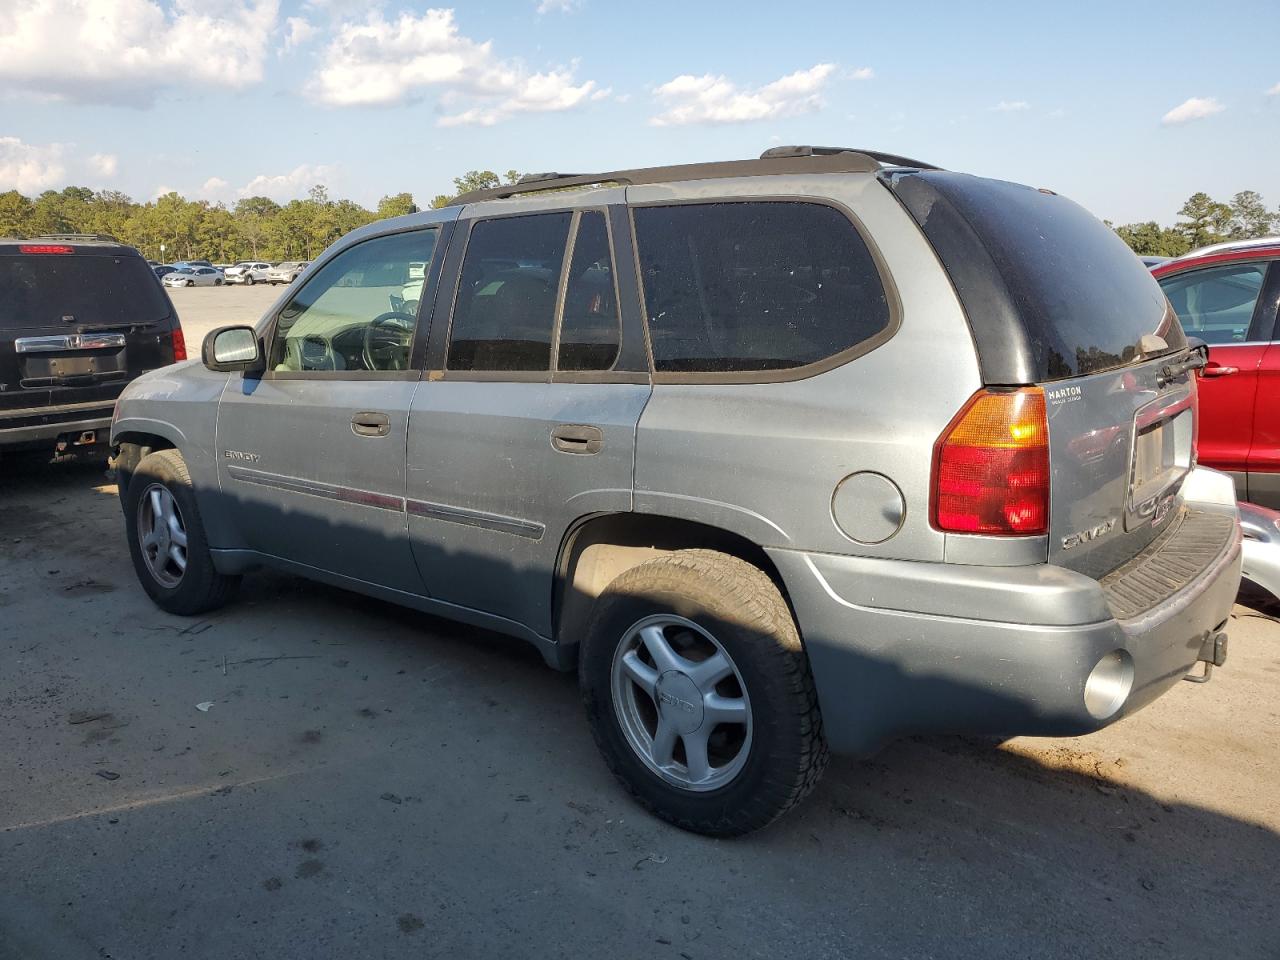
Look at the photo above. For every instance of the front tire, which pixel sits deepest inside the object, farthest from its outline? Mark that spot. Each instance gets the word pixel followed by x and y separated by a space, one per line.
pixel 167 539
pixel 248 279
pixel 699 694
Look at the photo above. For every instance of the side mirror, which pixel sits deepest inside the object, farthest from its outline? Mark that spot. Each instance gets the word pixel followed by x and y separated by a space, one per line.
pixel 228 349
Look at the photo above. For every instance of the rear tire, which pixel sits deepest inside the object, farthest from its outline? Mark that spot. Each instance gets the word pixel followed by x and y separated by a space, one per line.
pixel 248 279
pixel 651 720
pixel 167 540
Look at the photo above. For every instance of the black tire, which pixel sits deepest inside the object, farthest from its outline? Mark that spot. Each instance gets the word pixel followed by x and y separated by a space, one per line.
pixel 248 279
pixel 201 588
pixel 742 608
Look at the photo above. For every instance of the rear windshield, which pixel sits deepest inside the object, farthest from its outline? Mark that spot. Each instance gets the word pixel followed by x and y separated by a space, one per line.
pixel 1050 291
pixel 38 290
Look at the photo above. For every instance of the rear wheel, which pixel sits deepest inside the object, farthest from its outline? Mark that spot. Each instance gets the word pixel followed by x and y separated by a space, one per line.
pixel 167 540
pixel 699 694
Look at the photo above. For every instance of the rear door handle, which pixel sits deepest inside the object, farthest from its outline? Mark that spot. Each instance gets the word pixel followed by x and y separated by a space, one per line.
pixel 370 424
pixel 577 438
pixel 1214 370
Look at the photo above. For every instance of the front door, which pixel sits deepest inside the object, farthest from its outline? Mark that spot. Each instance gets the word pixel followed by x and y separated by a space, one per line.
pixel 1219 304
pixel 528 420
pixel 312 453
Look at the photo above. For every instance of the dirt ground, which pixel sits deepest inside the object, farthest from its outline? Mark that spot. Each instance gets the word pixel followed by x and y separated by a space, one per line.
pixel 366 781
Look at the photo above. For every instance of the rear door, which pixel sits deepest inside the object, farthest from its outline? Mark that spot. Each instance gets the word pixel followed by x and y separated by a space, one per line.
pixel 77 322
pixel 1220 304
pixel 527 419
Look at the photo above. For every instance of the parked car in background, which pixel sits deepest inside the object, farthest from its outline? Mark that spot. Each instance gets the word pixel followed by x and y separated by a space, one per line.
pixel 192 263
pixel 247 272
pixel 161 269
pixel 1153 261
pixel 193 277
pixel 1228 295
pixel 287 272
pixel 80 317
pixel 761 449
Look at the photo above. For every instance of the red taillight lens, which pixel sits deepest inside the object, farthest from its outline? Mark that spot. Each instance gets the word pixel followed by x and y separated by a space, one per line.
pixel 44 248
pixel 179 344
pixel 991 466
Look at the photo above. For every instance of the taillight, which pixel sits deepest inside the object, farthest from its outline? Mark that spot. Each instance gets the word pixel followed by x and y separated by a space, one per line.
pixel 179 344
pixel 991 466
pixel 45 248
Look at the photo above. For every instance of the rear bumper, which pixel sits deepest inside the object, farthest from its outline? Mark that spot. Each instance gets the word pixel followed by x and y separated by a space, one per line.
pixel 901 648
pixel 42 426
pixel 1261 529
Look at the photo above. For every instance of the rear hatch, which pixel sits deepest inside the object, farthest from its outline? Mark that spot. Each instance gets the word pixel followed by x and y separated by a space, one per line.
pixel 77 322
pixel 1054 298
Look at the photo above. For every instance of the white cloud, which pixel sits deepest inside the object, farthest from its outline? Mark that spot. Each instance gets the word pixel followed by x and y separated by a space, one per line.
pixel 1011 106
pixel 862 73
pixel 124 51
pixel 215 188
pixel 162 190
pixel 558 6
pixel 30 168
pixel 284 187
pixel 381 61
pixel 1274 91
pixel 716 99
pixel 298 30
pixel 104 164
pixel 1056 114
pixel 1196 108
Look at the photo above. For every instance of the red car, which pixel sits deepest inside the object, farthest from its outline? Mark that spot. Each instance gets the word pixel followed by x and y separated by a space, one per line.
pixel 1227 295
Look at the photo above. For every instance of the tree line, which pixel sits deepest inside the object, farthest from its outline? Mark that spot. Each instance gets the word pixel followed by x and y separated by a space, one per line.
pixel 255 228
pixel 259 228
pixel 1205 221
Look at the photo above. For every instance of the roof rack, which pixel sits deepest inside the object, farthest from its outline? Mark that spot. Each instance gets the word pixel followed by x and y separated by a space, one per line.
pixel 78 237
pixel 777 160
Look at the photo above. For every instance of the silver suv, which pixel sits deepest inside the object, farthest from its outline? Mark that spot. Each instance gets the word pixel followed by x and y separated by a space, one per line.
pixel 805 452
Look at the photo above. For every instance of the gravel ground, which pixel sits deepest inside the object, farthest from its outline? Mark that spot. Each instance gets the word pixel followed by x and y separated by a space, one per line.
pixel 372 782
pixel 201 309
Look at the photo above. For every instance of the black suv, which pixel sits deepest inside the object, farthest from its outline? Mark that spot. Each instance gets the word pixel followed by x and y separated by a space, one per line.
pixel 80 316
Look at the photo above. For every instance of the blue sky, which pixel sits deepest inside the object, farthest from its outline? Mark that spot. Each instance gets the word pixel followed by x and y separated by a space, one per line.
pixel 1126 107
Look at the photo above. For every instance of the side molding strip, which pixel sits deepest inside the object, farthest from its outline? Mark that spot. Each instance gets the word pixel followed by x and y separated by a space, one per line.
pixel 476 518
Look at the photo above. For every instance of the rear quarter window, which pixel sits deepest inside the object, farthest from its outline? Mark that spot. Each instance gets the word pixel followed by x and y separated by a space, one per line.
pixel 750 287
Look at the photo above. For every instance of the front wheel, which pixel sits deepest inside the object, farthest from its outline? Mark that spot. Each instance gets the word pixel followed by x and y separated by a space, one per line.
pixel 248 278
pixel 699 693
pixel 167 540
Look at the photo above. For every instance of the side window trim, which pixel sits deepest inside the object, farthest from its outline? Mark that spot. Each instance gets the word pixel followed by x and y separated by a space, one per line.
pixel 1265 325
pixel 892 298
pixel 418 347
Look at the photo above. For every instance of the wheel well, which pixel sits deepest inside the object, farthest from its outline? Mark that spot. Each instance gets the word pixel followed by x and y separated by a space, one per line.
pixel 599 548
pixel 130 449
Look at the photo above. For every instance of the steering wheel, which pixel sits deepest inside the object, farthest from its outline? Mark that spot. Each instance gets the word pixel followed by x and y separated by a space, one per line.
pixel 387 339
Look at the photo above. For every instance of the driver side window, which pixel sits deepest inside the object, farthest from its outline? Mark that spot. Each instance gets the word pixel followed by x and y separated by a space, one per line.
pixel 359 311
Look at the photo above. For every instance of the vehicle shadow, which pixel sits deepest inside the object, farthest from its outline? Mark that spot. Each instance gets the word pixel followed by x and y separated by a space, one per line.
pixel 938 846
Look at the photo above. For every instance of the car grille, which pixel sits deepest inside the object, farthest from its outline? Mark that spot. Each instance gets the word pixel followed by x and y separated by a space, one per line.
pixel 1169 564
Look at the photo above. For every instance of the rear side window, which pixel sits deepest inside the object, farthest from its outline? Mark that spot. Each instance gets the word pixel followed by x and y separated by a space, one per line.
pixel 590 327
pixel 755 286
pixel 1216 304
pixel 48 289
pixel 505 309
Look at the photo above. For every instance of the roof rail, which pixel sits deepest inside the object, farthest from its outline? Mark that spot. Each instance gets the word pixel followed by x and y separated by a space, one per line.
pixel 806 150
pixel 80 237
pixel 779 160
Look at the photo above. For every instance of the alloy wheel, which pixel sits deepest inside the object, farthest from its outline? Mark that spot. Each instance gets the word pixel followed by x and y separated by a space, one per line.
pixel 162 535
pixel 681 702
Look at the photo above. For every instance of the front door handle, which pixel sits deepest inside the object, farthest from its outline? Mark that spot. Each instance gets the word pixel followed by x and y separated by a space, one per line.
pixel 1217 370
pixel 370 424
pixel 577 438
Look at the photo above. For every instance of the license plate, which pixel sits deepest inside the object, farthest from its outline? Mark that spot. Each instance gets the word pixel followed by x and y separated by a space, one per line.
pixel 1161 458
